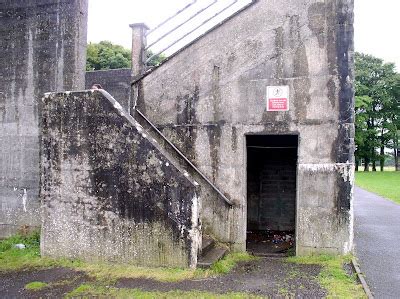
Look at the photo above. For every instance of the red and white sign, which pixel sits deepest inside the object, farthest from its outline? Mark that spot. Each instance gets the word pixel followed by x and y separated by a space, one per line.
pixel 277 98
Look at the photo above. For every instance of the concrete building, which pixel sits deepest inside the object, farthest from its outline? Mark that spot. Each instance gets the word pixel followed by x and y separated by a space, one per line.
pixel 284 170
pixel 246 135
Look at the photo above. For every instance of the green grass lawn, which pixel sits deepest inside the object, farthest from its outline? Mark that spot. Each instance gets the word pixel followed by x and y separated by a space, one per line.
pixel 386 184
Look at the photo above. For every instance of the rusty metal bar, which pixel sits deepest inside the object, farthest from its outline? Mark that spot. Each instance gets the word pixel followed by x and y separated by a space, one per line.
pixel 227 200
pixel 271 147
pixel 190 32
pixel 181 24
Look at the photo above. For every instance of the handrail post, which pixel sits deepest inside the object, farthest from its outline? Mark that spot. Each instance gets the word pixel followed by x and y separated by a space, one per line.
pixel 139 42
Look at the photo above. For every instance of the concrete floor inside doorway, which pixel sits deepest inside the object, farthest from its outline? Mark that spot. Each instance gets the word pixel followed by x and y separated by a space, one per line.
pixel 270 243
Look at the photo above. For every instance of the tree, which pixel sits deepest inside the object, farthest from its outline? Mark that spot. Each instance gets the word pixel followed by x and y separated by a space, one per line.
pixel 156 60
pixel 377 109
pixel 362 133
pixel 105 55
pixel 394 121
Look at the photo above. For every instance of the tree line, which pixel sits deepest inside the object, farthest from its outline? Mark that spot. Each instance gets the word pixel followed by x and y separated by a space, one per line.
pixel 377 101
pixel 105 55
pixel 377 111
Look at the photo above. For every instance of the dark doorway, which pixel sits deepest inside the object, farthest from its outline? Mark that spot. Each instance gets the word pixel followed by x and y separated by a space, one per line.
pixel 271 193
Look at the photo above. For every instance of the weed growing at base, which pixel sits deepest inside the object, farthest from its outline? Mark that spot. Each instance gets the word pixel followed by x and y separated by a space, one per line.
pixel 333 276
pixel 36 285
pixel 87 290
pixel 14 259
pixel 225 265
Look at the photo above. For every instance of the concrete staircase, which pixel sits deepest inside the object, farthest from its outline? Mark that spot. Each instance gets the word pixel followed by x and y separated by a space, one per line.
pixel 210 252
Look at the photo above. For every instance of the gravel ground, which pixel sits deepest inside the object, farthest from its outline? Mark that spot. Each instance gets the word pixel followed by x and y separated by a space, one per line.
pixel 269 277
pixel 61 281
pixel 265 277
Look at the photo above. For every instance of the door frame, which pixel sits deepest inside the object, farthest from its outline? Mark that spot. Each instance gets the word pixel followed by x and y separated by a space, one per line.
pixel 297 180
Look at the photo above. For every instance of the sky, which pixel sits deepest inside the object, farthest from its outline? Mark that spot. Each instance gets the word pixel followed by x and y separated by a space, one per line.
pixel 376 25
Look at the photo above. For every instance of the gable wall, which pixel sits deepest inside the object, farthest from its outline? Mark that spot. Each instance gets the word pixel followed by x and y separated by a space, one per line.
pixel 211 94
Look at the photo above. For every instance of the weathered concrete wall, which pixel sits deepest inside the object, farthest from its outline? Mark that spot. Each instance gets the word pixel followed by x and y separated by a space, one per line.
pixel 43 48
pixel 108 190
pixel 116 82
pixel 211 94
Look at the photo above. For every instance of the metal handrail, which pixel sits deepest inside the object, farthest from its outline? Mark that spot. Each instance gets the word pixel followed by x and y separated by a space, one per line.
pixel 227 200
pixel 125 114
pixel 181 24
pixel 188 33
pixel 171 17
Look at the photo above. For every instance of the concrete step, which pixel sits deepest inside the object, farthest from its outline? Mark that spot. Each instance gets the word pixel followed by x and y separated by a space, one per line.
pixel 213 255
pixel 207 244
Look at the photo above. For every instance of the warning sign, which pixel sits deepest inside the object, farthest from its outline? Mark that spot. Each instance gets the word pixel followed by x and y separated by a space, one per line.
pixel 277 98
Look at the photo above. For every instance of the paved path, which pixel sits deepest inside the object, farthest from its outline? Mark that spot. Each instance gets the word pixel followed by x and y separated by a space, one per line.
pixel 377 242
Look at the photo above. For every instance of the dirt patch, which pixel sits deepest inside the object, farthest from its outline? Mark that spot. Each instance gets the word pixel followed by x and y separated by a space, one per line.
pixel 266 277
pixel 270 277
pixel 60 280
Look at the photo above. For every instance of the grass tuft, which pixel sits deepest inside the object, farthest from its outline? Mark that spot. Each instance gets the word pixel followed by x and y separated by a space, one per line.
pixel 333 276
pixel 36 285
pixel 112 272
pixel 31 240
pixel 13 259
pixel 87 290
pixel 226 264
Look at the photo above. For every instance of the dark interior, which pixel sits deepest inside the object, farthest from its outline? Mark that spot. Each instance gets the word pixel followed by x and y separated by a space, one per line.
pixel 271 193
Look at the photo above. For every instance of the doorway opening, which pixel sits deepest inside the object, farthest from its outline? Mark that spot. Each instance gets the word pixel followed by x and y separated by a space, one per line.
pixel 271 194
